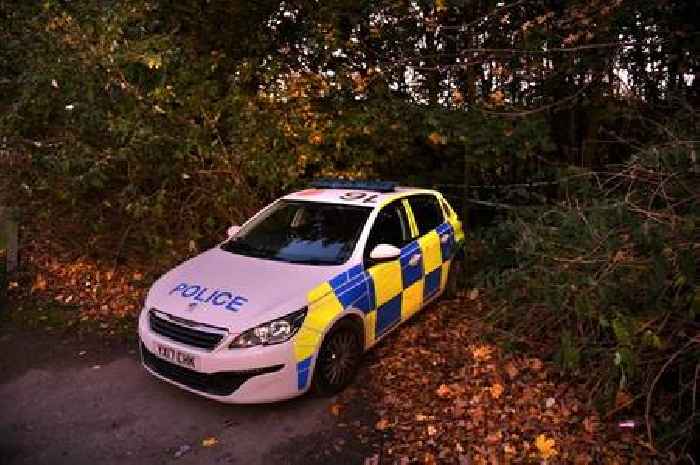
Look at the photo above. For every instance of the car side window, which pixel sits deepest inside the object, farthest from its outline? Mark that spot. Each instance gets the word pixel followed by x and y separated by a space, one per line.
pixel 390 227
pixel 427 212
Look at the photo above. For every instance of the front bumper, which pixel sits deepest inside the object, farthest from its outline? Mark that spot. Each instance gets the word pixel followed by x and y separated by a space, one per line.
pixel 252 375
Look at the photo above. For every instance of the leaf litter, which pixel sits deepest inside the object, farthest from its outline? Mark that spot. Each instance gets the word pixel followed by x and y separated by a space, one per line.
pixel 444 394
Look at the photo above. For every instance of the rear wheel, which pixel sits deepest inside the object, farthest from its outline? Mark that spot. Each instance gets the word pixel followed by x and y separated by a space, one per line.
pixel 338 359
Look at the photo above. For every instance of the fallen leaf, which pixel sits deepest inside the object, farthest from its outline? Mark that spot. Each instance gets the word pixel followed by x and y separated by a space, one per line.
pixel 209 442
pixel 622 399
pixel 494 438
pixel 497 97
pixel 496 390
pixel 444 391
pixel 335 409
pixel 619 256
pixel 382 424
pixel 511 370
pixel 536 364
pixel 590 424
pixel 39 283
pixel 316 138
pixel 436 139
pixel 481 353
pixel 545 446
pixel 582 458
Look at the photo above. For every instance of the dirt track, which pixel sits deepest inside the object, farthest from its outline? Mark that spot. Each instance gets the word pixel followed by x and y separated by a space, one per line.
pixel 82 402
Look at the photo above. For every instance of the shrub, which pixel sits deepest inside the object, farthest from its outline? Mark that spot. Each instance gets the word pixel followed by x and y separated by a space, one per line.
pixel 609 277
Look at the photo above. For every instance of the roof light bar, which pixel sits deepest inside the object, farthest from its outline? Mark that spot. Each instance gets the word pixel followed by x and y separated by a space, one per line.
pixel 364 185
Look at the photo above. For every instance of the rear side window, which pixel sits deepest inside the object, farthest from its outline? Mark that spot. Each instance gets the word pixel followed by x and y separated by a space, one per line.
pixel 427 212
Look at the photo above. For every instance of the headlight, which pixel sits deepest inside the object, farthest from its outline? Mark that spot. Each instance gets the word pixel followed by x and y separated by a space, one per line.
pixel 272 332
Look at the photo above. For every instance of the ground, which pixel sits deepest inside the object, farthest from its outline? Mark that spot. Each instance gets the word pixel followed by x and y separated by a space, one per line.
pixel 84 401
pixel 439 389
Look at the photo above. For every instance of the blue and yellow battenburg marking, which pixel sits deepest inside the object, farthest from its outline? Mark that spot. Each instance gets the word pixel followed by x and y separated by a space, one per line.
pixel 386 294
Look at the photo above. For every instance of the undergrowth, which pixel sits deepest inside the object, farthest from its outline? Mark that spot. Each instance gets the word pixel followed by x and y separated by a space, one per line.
pixel 609 277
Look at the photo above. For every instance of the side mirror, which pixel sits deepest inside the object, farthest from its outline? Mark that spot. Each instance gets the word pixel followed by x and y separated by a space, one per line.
pixel 233 230
pixel 384 252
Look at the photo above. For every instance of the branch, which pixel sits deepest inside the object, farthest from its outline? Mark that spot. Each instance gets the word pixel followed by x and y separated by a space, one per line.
pixel 647 411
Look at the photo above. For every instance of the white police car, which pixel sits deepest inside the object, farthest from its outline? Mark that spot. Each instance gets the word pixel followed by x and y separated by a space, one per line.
pixel 291 300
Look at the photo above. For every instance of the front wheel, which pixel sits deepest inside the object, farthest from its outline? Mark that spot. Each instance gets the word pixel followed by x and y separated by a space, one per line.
pixel 338 359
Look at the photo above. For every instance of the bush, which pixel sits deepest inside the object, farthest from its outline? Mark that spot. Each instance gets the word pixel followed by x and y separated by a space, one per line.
pixel 610 278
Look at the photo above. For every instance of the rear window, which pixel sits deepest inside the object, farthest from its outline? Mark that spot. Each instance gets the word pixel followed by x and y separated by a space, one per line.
pixel 427 212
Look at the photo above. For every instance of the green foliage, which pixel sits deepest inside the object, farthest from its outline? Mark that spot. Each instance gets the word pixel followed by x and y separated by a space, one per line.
pixel 610 277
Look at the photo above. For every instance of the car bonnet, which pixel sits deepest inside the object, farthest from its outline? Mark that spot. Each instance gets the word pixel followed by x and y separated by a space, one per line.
pixel 235 292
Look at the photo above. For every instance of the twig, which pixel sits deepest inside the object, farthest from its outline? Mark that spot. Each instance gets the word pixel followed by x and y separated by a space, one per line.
pixel 647 412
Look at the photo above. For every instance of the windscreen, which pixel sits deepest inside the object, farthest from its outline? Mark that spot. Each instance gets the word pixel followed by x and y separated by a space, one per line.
pixel 302 232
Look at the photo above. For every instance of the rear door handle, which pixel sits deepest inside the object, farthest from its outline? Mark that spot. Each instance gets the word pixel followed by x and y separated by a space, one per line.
pixel 414 260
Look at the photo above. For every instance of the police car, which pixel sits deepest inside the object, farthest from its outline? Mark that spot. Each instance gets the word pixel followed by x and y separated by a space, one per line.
pixel 291 300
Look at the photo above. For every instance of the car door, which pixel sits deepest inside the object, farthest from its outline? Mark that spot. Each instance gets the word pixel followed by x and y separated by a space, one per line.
pixel 436 242
pixel 392 227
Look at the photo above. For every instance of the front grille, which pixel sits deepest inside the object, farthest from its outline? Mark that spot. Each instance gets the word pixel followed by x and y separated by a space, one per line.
pixel 223 383
pixel 204 339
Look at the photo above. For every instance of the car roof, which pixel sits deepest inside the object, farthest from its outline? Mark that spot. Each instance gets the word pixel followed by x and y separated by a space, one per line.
pixel 365 198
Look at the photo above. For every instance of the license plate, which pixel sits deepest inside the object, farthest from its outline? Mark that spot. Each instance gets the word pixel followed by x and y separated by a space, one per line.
pixel 173 355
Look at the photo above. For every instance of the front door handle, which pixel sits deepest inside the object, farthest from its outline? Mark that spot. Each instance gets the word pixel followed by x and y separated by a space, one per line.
pixel 414 260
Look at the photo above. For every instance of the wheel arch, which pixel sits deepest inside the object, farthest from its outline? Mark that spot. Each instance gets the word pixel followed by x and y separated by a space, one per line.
pixel 354 318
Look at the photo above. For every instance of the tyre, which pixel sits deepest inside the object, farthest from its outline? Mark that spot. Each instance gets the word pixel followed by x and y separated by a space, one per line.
pixel 338 359
pixel 452 285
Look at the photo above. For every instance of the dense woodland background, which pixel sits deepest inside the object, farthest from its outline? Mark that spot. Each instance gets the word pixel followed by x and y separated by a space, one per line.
pixel 566 132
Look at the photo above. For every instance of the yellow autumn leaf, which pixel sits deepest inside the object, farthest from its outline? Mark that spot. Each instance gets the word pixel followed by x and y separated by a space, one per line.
pixel 481 353
pixel 316 138
pixel 496 390
pixel 335 409
pixel 382 424
pixel 39 283
pixel 209 442
pixel 154 61
pixel 545 446
pixel 436 139
pixel 443 391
